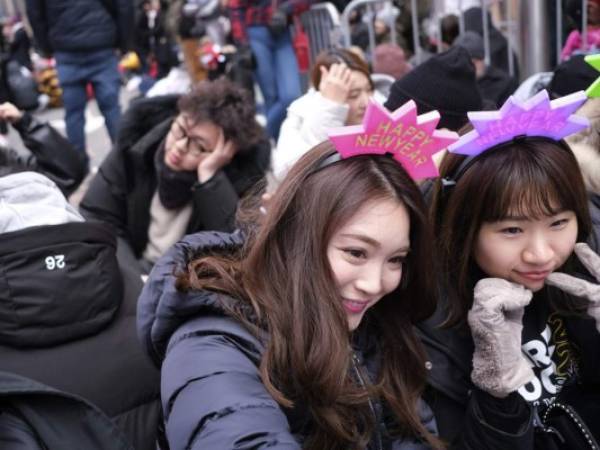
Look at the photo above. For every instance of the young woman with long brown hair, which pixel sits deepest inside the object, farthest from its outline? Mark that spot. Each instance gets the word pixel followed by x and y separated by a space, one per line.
pixel 298 332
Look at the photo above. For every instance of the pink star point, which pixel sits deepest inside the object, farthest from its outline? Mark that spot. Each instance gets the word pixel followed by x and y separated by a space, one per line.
pixel 411 139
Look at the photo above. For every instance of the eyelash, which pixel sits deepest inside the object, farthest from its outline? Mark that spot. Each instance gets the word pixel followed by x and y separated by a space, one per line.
pixel 515 230
pixel 560 222
pixel 511 230
pixel 357 254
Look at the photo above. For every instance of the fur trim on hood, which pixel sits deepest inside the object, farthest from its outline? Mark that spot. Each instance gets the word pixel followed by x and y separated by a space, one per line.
pixel 589 162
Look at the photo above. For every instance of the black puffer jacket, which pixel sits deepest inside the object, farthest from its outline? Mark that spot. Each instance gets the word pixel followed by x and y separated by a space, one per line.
pixel 471 419
pixel 122 190
pixel 206 354
pixel 67 320
pixel 82 25
pixel 34 416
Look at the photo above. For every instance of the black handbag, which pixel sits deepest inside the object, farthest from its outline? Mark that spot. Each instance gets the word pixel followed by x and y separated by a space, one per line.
pixel 572 421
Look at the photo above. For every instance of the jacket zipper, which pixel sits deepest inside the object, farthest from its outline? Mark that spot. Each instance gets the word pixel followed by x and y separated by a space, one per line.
pixel 355 363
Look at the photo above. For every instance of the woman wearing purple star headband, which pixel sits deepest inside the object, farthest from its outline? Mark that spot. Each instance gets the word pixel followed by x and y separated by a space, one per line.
pixel 517 352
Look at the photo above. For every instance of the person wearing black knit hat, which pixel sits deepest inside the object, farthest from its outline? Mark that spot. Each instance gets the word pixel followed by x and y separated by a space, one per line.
pixel 445 82
pixel 572 76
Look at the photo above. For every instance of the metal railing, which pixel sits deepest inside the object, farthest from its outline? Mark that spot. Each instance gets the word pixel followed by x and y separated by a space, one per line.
pixel 322 25
pixel 368 10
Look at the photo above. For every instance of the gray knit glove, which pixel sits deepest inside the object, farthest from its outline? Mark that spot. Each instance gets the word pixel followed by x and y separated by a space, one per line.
pixel 496 321
pixel 579 287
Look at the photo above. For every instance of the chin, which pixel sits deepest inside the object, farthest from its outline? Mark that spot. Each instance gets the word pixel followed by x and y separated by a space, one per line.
pixel 354 322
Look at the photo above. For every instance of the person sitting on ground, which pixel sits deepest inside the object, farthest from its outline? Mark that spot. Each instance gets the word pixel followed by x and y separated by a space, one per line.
pixel 47 151
pixel 515 340
pixel 341 88
pixel 185 174
pixel 298 331
pixel 67 320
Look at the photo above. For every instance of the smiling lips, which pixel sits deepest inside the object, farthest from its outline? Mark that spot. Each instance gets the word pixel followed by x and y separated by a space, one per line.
pixel 535 275
pixel 355 307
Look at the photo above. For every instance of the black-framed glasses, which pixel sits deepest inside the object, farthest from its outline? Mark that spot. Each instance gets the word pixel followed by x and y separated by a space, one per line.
pixel 193 146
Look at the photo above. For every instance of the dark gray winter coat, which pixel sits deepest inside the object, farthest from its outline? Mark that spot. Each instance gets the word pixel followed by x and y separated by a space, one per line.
pixel 81 25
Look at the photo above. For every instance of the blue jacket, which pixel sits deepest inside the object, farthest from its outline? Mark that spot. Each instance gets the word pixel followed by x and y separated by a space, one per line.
pixel 212 393
pixel 82 25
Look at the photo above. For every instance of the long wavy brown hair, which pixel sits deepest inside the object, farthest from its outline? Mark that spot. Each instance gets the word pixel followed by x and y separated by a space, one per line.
pixel 284 274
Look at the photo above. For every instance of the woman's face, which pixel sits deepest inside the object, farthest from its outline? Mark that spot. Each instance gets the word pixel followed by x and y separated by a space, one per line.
pixel 188 143
pixel 366 255
pixel 525 250
pixel 358 97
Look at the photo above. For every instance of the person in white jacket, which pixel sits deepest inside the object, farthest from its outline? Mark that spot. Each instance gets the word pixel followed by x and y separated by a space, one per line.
pixel 341 89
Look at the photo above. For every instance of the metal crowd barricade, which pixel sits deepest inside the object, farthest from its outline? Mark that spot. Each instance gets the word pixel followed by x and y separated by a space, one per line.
pixel 509 25
pixel 559 26
pixel 322 25
pixel 369 12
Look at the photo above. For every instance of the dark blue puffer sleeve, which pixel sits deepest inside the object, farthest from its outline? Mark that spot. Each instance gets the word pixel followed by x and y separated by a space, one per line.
pixel 212 393
pixel 161 308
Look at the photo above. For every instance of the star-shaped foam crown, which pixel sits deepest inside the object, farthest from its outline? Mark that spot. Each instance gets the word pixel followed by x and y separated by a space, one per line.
pixel 593 90
pixel 411 139
pixel 537 116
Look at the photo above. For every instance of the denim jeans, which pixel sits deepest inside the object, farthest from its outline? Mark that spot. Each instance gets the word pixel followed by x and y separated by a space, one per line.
pixel 277 73
pixel 75 71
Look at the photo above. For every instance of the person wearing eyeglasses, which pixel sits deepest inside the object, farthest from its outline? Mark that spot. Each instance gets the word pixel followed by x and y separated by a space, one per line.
pixel 185 174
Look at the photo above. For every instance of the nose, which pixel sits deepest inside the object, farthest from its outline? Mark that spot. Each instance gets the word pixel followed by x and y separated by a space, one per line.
pixel 538 251
pixel 181 146
pixel 364 99
pixel 371 280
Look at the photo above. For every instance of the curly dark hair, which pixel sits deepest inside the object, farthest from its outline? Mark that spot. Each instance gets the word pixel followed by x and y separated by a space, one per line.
pixel 227 105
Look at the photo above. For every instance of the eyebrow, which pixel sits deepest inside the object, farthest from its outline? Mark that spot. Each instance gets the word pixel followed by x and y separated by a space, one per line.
pixel 525 218
pixel 372 242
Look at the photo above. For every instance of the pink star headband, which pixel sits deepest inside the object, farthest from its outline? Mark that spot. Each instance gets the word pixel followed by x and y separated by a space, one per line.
pixel 537 116
pixel 411 139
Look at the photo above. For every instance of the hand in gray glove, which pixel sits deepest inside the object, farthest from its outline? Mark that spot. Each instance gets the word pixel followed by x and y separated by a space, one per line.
pixel 496 321
pixel 278 22
pixel 579 287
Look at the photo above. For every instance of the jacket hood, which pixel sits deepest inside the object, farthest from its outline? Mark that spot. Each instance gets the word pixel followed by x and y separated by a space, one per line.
pixel 59 283
pixel 30 199
pixel 162 308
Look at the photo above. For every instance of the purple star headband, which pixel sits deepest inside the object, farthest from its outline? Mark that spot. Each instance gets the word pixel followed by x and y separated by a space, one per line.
pixel 537 116
pixel 411 139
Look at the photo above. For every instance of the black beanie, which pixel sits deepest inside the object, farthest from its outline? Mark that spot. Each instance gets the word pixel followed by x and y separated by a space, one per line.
pixel 445 82
pixel 572 76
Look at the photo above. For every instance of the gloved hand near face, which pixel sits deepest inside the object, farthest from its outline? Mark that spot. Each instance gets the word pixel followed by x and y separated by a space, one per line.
pixel 582 288
pixel 496 322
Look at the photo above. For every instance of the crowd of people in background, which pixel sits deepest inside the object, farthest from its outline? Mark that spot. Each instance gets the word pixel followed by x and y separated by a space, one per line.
pixel 379 252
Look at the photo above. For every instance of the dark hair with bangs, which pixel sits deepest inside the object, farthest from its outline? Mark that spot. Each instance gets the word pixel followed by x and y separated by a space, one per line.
pixel 528 177
pixel 283 275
